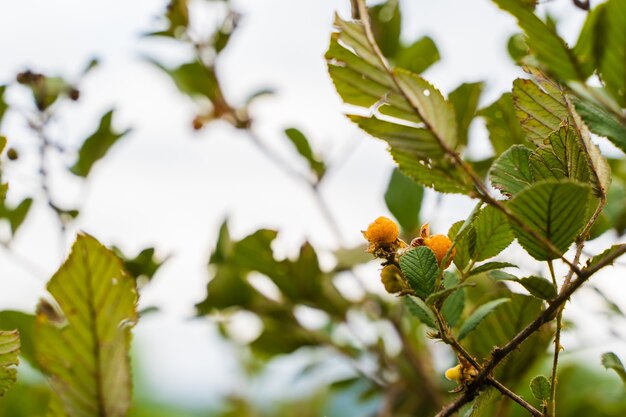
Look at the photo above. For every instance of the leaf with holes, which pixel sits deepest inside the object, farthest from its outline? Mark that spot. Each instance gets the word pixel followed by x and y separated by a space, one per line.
pixel 420 268
pixel 83 344
pixel 553 210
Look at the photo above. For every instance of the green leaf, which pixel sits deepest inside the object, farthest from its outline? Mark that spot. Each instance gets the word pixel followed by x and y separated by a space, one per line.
pixel 490 266
pixel 432 107
pixel 493 234
pixel 510 173
pixel 177 15
pixel 9 349
pixel 602 122
pixel 453 306
pixel 420 268
pixel 540 387
pixel 598 258
pixel 586 44
pixel 541 109
pixel 195 79
pixel 83 344
pixel 442 176
pixel 418 56
pixel 3 105
pixel 303 147
pixel 502 123
pixel 482 402
pixel 420 142
pixel 25 325
pixel 145 264
pixel 404 200
pixel 465 102
pixel 386 21
pixel 611 49
pixel 555 211
pixel 420 310
pixel 561 156
pixel 539 287
pixel 464 243
pixel 611 361
pixel 347 258
pixel 543 41
pixel 16 215
pixel 96 145
pixel 478 315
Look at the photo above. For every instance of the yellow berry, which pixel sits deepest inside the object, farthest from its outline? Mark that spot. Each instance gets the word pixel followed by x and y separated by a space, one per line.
pixel 383 230
pixel 440 244
pixel 455 373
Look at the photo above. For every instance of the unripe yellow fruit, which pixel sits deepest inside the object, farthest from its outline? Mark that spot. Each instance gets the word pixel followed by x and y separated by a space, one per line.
pixel 455 373
pixel 391 278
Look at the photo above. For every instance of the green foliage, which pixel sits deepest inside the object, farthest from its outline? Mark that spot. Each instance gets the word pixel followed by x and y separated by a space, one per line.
pixel 420 268
pixel 144 265
pixel 543 41
pixel 96 146
pixel 301 143
pixel 9 349
pixel 404 200
pixel 553 210
pixel 25 324
pixel 611 49
pixel 490 266
pixel 479 315
pixel 602 122
pixel 15 215
pixel 464 242
pixel 493 234
pixel 561 156
pixel 540 387
pixel 502 124
pixel 96 310
pixel 418 308
pixel 418 56
pixel 3 105
pixel 510 173
pixel 611 361
pixel 465 102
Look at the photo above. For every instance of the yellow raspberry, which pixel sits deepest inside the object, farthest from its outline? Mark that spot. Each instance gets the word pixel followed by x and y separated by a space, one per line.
pixel 455 373
pixel 440 244
pixel 383 230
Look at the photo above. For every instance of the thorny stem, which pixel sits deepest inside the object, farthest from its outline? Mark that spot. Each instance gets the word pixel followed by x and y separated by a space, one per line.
pixel 500 353
pixel 449 339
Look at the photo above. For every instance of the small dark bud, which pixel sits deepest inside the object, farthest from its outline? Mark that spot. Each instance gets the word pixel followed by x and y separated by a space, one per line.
pixel 12 154
pixel 74 94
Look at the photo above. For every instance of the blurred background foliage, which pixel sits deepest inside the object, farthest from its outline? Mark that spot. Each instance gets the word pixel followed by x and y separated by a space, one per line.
pixel 366 355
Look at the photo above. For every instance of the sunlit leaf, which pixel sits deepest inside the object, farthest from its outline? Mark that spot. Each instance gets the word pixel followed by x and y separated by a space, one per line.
pixel 602 122
pixel 9 350
pixel 465 101
pixel 83 344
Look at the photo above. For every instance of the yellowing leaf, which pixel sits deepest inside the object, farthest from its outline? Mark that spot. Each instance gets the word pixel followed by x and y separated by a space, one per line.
pixel 83 340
